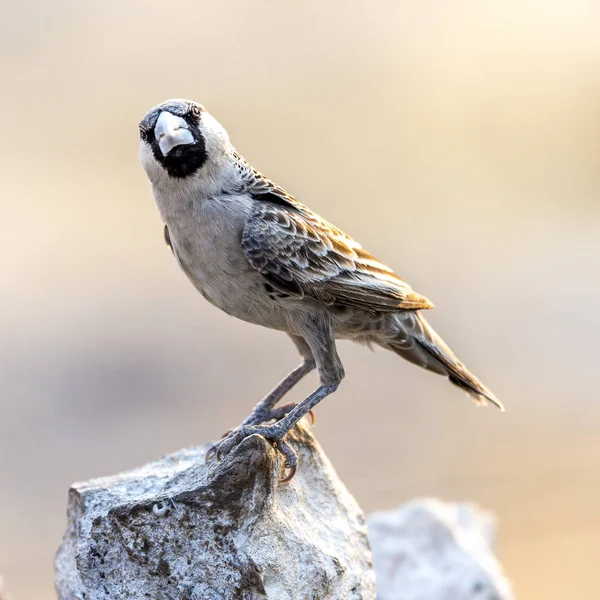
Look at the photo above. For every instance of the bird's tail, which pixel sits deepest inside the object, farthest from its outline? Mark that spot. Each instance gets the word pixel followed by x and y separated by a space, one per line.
pixel 417 342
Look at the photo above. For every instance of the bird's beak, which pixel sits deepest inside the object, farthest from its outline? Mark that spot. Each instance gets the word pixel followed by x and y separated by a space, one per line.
pixel 170 131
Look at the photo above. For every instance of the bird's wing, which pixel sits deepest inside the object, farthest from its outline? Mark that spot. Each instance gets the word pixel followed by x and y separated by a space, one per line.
pixel 262 188
pixel 302 255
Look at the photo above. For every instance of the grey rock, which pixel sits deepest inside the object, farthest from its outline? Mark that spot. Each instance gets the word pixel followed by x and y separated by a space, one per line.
pixel 430 550
pixel 178 529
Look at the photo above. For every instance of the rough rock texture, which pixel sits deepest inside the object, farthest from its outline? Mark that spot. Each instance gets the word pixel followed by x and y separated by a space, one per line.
pixel 430 550
pixel 178 529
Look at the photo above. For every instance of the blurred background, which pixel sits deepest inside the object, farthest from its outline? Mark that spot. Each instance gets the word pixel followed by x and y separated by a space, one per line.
pixel 459 141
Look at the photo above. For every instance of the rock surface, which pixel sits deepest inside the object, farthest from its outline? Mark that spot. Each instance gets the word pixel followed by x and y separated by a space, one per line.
pixel 178 529
pixel 430 550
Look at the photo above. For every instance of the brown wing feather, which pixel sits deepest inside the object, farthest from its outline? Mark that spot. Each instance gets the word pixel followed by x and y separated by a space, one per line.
pixel 303 255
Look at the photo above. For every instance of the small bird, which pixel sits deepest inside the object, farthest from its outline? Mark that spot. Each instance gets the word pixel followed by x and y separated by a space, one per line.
pixel 258 254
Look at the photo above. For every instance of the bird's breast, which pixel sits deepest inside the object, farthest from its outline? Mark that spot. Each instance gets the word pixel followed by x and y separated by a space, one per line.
pixel 207 245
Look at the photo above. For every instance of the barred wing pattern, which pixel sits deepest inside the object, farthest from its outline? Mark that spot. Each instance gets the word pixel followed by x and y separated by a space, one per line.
pixel 302 255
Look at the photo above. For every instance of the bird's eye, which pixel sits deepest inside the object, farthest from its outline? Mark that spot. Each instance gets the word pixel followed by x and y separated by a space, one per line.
pixel 194 110
pixel 143 133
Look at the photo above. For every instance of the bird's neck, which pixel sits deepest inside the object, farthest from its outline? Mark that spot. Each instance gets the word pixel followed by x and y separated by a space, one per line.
pixel 176 197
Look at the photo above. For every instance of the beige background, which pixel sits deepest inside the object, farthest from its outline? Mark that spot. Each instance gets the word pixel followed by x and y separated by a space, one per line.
pixel 457 140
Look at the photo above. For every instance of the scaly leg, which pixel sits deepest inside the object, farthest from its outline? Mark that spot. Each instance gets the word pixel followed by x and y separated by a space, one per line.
pixel 263 411
pixel 318 334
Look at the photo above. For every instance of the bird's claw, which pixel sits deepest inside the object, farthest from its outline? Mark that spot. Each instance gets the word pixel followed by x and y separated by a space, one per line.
pixel 221 448
pixel 290 474
pixel 214 450
pixel 271 434
pixel 291 460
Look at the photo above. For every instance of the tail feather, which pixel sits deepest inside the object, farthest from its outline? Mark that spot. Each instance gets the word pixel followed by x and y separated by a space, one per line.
pixel 420 344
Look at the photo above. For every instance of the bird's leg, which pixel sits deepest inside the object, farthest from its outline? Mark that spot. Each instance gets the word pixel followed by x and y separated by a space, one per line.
pixel 281 411
pixel 320 338
pixel 275 433
pixel 263 411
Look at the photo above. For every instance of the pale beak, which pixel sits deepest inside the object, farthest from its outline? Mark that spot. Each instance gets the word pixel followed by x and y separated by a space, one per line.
pixel 170 131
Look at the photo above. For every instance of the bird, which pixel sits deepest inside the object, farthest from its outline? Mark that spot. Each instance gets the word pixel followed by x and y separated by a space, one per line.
pixel 257 253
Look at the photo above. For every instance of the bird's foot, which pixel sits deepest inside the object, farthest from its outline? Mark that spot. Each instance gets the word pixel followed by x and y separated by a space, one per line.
pixel 272 433
pixel 258 416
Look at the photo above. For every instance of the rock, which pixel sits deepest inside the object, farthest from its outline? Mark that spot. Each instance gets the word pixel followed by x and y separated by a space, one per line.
pixel 178 529
pixel 430 550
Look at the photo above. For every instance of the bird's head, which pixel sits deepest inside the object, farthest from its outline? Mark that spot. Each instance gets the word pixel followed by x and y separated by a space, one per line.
pixel 178 138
